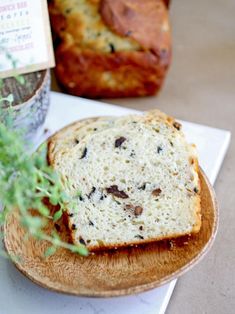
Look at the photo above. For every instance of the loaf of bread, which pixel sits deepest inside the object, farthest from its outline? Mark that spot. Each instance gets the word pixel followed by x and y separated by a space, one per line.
pixel 107 48
pixel 132 179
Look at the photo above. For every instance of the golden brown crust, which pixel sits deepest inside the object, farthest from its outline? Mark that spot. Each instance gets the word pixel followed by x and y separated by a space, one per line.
pixel 87 71
pixel 122 74
pixel 51 142
pixel 128 18
pixel 167 3
pixel 99 248
pixel 198 223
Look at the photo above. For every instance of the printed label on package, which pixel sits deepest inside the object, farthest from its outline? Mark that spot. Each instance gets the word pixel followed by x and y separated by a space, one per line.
pixel 25 37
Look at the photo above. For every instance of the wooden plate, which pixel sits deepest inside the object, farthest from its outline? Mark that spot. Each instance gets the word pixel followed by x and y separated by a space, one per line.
pixel 114 273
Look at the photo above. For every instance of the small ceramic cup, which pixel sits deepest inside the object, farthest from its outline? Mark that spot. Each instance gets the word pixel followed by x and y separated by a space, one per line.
pixel 30 115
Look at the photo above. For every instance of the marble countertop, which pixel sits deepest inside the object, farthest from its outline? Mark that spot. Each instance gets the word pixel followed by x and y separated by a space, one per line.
pixel 200 87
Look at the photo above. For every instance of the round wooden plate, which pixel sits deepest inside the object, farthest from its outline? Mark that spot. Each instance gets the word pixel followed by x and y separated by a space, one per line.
pixel 114 273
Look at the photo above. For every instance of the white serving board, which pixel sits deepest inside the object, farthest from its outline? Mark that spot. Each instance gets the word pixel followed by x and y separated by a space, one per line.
pixel 18 295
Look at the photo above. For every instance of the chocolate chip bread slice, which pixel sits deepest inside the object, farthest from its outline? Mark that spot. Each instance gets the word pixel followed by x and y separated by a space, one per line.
pixel 134 179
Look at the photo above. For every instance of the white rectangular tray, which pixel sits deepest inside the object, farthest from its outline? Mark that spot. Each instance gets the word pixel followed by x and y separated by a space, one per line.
pixel 20 296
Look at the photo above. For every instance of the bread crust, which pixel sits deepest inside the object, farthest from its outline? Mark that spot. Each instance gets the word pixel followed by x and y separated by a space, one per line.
pixel 150 116
pixel 122 74
pixel 198 223
pixel 89 72
pixel 128 18
pixel 98 248
pixel 51 142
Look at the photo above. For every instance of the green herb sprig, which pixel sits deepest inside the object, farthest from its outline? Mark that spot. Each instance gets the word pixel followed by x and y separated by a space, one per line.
pixel 26 181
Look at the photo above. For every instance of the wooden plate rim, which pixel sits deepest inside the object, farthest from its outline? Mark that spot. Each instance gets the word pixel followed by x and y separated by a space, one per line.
pixel 145 287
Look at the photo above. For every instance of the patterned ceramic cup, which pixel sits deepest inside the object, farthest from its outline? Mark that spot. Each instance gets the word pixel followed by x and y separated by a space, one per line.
pixel 30 115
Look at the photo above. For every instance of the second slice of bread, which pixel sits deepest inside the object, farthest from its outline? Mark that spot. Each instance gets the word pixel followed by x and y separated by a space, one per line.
pixel 133 179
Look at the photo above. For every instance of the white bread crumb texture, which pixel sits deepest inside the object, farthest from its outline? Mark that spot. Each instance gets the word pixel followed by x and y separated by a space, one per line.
pixel 132 178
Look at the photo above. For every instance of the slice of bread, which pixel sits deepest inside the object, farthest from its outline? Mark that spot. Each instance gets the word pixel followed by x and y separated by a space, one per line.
pixel 133 179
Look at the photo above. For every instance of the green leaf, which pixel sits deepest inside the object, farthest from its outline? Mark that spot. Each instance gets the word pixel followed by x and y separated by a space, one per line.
pixel 25 181
pixel 38 235
pixel 54 200
pixel 35 222
pixel 55 235
pixel 56 242
pixel 20 79
pixel 50 251
pixel 54 177
pixel 73 205
pixel 2 217
pixel 81 249
pixel 43 210
pixel 58 215
pixel 42 148
pixel 64 197
pixel 9 98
